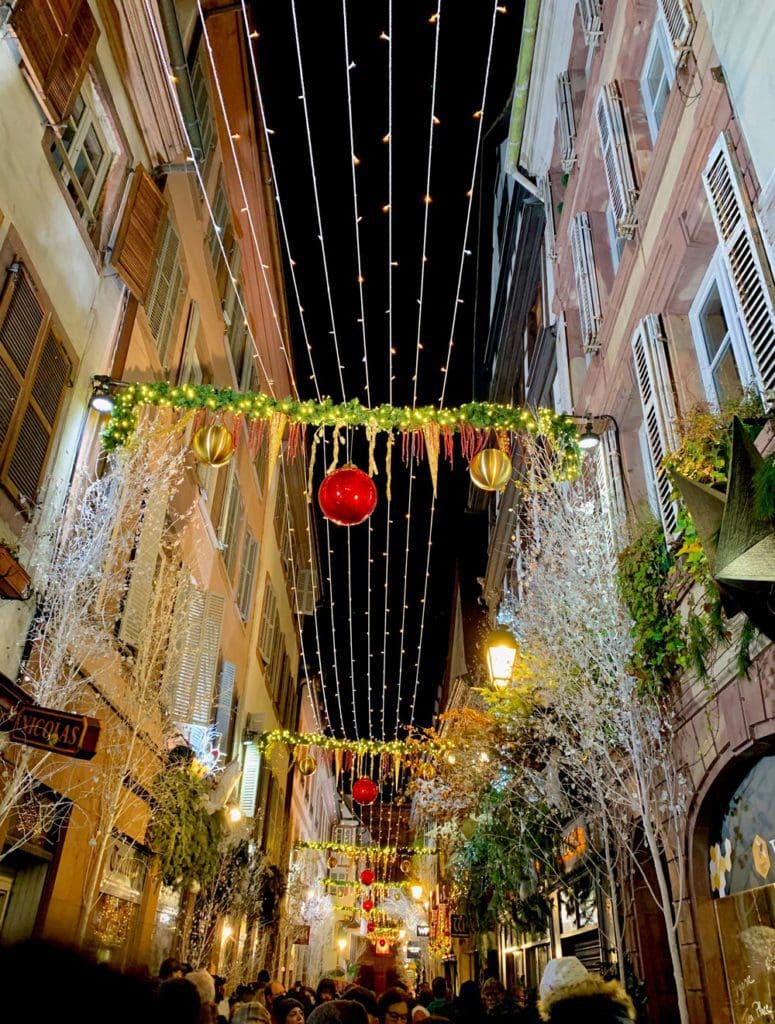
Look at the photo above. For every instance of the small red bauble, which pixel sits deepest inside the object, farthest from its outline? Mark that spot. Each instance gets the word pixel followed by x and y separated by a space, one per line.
pixel 347 496
pixel 367 876
pixel 382 942
pixel 364 790
pixel 370 926
pixel 368 905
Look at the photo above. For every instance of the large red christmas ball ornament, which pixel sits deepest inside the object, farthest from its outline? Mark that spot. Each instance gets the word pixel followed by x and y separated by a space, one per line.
pixel 368 905
pixel 370 926
pixel 367 877
pixel 347 496
pixel 365 790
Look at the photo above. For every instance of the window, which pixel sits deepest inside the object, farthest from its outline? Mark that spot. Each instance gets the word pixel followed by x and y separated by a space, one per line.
pixel 658 76
pixel 247 575
pixel 586 281
pixel 741 252
pixel 190 366
pixel 722 350
pixel 591 20
pixel 220 240
pixel 82 155
pixel 231 520
pixel 225 706
pixel 608 481
pixel 269 622
pixel 679 26
pixel 35 371
pixel 165 295
pixel 617 162
pixel 652 373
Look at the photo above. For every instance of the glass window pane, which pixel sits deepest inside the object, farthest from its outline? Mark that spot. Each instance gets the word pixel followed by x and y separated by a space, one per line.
pixel 714 323
pixel 78 109
pixel 726 376
pixel 655 75
pixel 93 148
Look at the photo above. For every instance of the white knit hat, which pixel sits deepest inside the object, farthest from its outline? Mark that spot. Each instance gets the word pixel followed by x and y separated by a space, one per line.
pixel 562 972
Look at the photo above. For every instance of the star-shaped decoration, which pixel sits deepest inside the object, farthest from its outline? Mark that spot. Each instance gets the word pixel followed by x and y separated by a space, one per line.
pixel 740 548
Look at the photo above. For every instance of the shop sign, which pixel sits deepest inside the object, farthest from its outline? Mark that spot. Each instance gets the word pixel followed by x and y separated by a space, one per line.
pixel 423 931
pixel 56 731
pixel 458 926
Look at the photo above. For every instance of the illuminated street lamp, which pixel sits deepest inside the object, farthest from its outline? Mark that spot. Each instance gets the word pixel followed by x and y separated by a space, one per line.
pixel 501 654
pixel 416 890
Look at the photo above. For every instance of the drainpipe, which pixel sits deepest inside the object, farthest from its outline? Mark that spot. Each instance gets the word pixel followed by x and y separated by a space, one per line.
pixel 169 20
pixel 521 86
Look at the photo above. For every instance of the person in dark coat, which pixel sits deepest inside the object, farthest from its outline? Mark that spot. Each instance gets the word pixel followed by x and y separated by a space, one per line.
pixel 571 995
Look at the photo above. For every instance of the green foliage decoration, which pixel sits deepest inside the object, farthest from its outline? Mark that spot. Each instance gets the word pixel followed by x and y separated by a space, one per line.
pixel 186 838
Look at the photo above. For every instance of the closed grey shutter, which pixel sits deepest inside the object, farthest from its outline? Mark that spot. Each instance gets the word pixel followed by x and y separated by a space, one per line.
pixel 268 619
pixel 143 569
pixel 225 701
pixel 192 670
pixel 247 575
pixel 251 772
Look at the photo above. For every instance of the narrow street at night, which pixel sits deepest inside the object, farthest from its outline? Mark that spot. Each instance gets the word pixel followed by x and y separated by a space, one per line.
pixel 387 511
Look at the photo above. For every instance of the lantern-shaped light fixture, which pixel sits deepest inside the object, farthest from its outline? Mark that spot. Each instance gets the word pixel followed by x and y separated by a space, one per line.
pixel 416 890
pixel 502 650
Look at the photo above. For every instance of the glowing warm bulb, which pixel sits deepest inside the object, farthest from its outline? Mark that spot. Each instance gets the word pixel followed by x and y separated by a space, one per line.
pixel 227 931
pixel 386 208
pixel 235 814
pixel 477 114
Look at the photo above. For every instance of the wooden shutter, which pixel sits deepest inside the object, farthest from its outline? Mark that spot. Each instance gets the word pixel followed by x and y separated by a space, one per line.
pixel 566 121
pixel 268 617
pixel 143 569
pixel 652 373
pixel 251 771
pixel 225 702
pixel 585 272
pixel 615 153
pixel 58 39
pixel 247 575
pixel 192 669
pixel 744 258
pixel 35 371
pixel 166 291
pixel 135 246
pixel 680 24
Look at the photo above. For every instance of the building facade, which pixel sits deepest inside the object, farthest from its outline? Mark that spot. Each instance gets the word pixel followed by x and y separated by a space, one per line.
pixel 638 124
pixel 138 242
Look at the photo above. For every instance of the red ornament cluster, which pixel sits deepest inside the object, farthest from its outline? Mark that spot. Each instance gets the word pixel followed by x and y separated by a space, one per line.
pixel 347 496
pixel 365 790
pixel 368 905
pixel 367 877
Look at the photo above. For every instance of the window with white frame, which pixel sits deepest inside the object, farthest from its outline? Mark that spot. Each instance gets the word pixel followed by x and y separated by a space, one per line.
pixel 591 20
pixel 616 157
pixel 722 349
pixel 610 489
pixel 82 153
pixel 658 76
pixel 741 252
pixel 655 386
pixel 590 312
pixel 679 26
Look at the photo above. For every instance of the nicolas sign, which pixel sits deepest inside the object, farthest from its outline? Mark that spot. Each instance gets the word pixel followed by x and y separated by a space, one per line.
pixel 57 731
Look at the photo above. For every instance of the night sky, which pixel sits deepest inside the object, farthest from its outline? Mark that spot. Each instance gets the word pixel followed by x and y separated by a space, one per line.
pixel 361 666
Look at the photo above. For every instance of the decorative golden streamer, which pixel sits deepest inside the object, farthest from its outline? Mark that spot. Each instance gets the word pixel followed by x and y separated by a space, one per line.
pixel 388 465
pixel 277 426
pixel 432 434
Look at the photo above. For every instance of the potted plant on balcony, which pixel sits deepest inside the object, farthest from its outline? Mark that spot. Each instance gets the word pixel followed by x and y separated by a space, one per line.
pixel 14 578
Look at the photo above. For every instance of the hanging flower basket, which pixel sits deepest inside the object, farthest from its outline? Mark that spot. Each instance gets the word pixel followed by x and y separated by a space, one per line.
pixel 14 579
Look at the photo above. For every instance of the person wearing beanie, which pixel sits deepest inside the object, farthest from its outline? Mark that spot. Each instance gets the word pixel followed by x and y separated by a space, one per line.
pixel 571 995
pixel 288 1011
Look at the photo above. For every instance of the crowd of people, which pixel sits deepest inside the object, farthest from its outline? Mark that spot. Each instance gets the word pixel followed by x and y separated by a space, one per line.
pixel 182 995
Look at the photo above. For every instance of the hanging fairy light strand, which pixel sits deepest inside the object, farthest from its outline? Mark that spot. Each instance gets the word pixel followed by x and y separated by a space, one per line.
pixel 161 53
pixel 497 9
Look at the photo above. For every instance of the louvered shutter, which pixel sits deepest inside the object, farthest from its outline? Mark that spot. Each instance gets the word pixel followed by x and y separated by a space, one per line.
pixel 251 772
pixel 135 246
pixel 268 616
pixel 142 569
pixel 566 121
pixel 680 24
pixel 58 39
pixel 305 591
pixel 591 20
pixel 744 258
pixel 192 671
pixel 166 291
pixel 35 370
pixel 585 272
pixel 225 702
pixel 608 478
pixel 615 153
pixel 652 373
pixel 247 575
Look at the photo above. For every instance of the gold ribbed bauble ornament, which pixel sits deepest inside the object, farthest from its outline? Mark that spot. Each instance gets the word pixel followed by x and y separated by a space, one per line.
pixel 307 765
pixel 490 469
pixel 406 865
pixel 332 861
pixel 213 445
pixel 427 771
